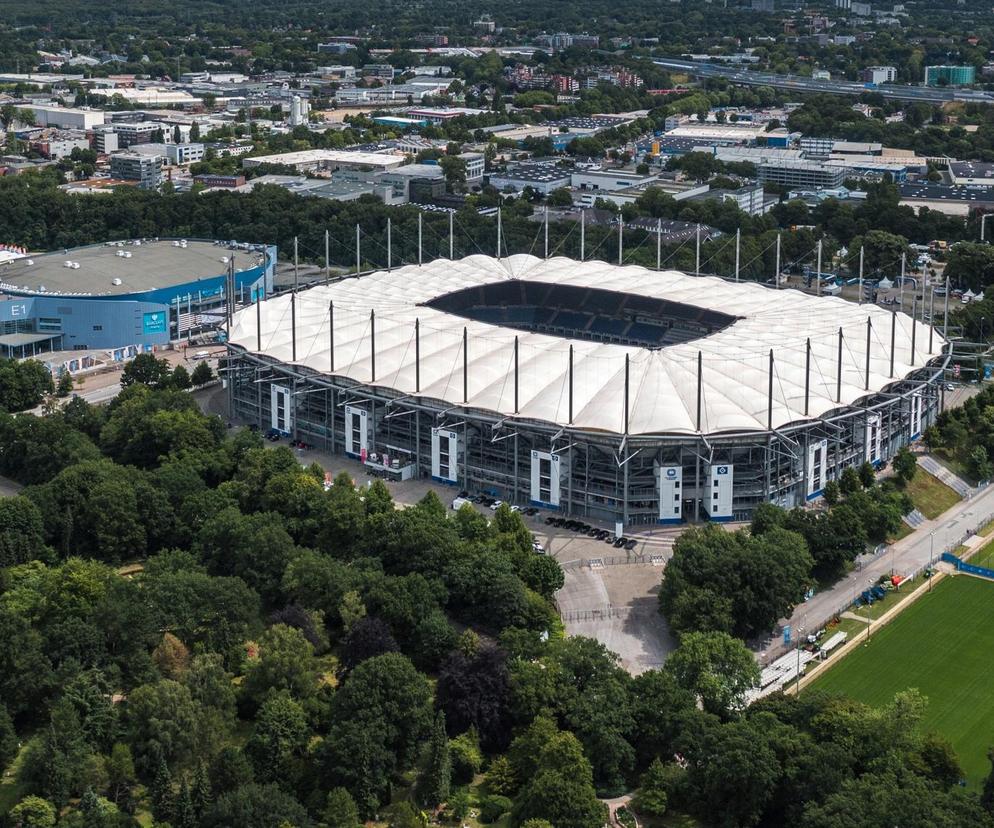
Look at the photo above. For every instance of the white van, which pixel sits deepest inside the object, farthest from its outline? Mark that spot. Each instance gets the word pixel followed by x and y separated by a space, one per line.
pixel 202 355
pixel 459 502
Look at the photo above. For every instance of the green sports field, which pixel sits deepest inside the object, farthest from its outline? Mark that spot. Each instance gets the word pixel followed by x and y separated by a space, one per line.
pixel 942 644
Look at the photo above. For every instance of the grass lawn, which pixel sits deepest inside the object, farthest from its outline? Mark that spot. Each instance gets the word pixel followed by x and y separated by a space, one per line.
pixel 983 556
pixel 940 645
pixel 931 496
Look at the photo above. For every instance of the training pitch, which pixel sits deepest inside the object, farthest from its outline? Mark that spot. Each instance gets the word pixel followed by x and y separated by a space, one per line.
pixel 942 645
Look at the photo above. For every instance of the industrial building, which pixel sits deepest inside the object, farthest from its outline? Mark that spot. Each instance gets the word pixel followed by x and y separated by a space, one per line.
pixel 607 392
pixel 126 297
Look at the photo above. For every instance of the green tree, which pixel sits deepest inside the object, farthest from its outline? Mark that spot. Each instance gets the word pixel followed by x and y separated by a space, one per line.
pixel 146 369
pixel 64 386
pixel 256 806
pixel 436 773
pixel 180 378
pixel 905 465
pixel 285 662
pixel 22 537
pixel 8 739
pixel 279 739
pixel 340 810
pixel 33 812
pixel 716 668
pixel 562 790
pixel 202 373
pixel 652 797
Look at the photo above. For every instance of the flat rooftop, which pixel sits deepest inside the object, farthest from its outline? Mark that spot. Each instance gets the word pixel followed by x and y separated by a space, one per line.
pixel 152 265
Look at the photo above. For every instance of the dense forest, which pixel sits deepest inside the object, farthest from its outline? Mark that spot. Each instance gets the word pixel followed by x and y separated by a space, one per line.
pixel 198 632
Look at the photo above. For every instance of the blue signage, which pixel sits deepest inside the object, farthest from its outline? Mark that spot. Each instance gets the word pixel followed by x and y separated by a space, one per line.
pixel 987 371
pixel 722 469
pixel 786 634
pixel 154 322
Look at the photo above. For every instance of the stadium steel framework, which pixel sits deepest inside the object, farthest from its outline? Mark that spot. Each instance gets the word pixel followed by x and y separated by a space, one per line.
pixel 607 392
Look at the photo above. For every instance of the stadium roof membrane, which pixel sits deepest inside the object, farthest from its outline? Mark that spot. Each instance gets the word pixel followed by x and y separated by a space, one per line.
pixel 663 396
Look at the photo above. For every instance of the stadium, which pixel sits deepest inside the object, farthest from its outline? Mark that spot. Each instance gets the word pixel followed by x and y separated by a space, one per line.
pixel 125 297
pixel 609 392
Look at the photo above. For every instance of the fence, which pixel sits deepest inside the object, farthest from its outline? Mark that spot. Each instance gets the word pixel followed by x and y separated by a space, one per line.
pixel 614 560
pixel 608 612
pixel 777 648
pixel 970 569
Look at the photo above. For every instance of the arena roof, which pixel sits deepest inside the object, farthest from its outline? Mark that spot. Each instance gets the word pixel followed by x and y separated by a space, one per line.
pixel 151 265
pixel 663 380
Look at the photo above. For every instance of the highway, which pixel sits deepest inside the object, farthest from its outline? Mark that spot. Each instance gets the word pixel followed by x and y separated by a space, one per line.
pixel 734 74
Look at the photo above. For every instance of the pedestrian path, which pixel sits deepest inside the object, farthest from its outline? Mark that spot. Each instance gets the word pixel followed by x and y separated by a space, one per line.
pixel 953 481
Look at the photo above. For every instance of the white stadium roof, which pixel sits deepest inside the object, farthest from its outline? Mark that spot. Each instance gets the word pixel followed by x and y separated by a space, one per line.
pixel 663 381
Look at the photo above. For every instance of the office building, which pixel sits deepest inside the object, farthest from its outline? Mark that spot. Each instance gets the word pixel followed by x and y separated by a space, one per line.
pixel 950 75
pixel 136 166
pixel 801 175
pixel 182 154
pixel 879 74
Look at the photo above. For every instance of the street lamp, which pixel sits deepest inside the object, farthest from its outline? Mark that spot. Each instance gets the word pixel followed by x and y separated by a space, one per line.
pixel 982 320
pixel 869 583
pixel 800 632
pixel 931 557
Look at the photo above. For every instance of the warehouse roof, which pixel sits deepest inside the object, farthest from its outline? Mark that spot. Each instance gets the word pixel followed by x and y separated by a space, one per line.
pixel 740 324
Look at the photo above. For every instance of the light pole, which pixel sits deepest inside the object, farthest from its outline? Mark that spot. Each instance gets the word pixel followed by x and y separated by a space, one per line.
pixel 983 222
pixel 869 583
pixel 931 557
pixel 800 632
pixel 982 320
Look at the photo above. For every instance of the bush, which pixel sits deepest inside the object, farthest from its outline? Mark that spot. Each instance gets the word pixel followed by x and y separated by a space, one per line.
pixel 493 808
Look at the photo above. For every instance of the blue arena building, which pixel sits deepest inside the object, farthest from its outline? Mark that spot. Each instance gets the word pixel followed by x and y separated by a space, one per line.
pixel 126 297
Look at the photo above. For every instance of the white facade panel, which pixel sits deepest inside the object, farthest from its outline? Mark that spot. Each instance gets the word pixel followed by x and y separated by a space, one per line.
pixel 817 467
pixel 444 455
pixel 872 438
pixel 670 482
pixel 545 472
pixel 281 408
pixel 720 495
pixel 356 430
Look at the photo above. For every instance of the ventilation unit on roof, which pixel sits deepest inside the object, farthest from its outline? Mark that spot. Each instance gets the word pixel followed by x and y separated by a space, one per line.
pixel 115 281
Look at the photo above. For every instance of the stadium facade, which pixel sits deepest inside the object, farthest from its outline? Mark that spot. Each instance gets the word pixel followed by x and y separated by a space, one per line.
pixel 608 392
pixel 126 297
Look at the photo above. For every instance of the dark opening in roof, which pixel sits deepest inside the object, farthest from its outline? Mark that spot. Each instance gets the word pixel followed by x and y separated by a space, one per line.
pixel 585 313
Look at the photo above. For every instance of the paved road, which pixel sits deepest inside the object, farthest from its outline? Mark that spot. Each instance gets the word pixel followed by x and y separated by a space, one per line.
pixel 799 83
pixel 903 557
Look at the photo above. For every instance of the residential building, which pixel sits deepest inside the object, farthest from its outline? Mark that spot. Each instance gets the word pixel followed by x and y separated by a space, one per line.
pixel 950 75
pixel 135 166
pixel 565 83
